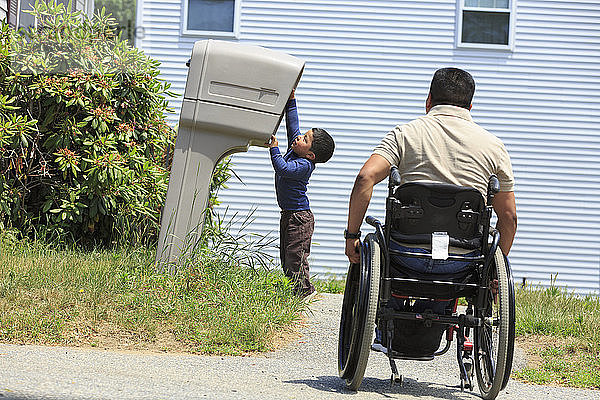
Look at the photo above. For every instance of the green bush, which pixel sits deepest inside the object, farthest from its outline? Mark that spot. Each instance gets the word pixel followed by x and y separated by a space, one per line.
pixel 84 144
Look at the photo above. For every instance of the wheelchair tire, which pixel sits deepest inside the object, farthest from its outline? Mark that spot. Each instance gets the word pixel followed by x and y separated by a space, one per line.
pixel 512 321
pixel 359 310
pixel 494 343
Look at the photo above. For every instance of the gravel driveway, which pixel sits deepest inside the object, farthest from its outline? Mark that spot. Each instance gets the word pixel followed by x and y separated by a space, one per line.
pixel 305 369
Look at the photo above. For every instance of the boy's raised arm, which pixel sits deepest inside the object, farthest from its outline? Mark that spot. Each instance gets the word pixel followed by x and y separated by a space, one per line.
pixel 291 119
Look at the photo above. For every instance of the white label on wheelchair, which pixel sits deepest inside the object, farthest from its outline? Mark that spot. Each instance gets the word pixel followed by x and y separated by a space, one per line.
pixel 439 245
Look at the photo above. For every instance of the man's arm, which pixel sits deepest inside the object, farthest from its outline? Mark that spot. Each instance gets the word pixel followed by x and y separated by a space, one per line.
pixel 373 171
pixel 506 210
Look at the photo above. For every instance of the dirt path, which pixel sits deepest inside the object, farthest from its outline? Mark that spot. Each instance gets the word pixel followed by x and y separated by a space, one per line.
pixel 305 369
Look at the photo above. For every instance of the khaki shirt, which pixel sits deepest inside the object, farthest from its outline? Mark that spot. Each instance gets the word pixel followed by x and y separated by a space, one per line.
pixel 447 146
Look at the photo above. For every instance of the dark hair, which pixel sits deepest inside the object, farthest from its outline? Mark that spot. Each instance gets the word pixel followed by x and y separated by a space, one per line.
pixel 322 145
pixel 452 86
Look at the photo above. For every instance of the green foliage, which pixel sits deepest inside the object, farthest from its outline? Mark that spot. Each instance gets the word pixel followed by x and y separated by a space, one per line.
pixel 554 311
pixel 329 283
pixel 83 138
pixel 124 13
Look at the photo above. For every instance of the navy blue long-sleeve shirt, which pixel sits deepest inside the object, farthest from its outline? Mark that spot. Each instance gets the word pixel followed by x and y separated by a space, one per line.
pixel 291 171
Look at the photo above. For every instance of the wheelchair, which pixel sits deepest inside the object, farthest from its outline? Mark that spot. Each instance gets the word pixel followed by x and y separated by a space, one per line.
pixel 413 310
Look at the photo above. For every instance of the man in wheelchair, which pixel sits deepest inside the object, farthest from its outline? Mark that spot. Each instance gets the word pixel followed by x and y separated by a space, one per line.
pixel 446 174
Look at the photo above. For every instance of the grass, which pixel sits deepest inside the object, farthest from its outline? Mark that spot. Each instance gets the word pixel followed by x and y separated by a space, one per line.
pixel 562 334
pixel 116 299
pixel 329 283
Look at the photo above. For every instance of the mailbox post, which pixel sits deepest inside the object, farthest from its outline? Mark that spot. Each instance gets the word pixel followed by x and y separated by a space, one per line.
pixel 234 97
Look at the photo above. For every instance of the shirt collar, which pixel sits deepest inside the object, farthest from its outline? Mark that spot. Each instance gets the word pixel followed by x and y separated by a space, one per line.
pixel 454 111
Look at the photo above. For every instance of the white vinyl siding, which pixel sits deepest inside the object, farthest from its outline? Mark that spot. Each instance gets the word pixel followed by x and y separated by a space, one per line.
pixel 368 68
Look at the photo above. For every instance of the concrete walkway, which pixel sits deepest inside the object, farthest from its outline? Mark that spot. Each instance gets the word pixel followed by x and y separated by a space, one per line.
pixel 305 369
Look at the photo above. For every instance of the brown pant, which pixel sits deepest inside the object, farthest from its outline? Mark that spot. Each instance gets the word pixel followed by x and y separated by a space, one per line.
pixel 295 233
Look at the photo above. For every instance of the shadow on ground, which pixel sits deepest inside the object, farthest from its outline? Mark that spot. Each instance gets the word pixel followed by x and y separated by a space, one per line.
pixel 410 387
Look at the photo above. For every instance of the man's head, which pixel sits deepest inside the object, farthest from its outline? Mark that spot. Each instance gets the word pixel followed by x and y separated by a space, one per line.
pixel 451 86
pixel 315 145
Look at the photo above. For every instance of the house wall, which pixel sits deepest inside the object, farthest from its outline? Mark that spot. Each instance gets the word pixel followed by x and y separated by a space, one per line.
pixel 369 64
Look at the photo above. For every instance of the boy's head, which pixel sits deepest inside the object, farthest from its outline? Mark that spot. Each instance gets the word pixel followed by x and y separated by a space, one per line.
pixel 315 145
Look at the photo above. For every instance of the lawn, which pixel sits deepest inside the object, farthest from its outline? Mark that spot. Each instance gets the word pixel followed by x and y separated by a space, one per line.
pixel 116 299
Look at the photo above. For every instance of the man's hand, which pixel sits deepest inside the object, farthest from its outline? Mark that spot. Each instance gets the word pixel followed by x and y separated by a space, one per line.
pixel 352 250
pixel 292 96
pixel 273 142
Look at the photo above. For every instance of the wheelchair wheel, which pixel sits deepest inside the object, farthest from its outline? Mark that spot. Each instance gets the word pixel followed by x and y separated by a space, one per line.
pixel 359 309
pixel 511 327
pixel 494 341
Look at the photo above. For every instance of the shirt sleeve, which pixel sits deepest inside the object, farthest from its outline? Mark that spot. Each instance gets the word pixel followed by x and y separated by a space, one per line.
pixel 390 147
pixel 295 169
pixel 505 172
pixel 291 121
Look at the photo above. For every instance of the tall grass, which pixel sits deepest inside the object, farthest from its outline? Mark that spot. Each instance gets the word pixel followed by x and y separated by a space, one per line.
pixel 221 302
pixel 554 311
pixel 567 331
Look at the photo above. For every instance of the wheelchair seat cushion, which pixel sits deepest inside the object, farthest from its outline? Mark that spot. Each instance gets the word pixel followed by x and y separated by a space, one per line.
pixel 425 270
pixel 427 266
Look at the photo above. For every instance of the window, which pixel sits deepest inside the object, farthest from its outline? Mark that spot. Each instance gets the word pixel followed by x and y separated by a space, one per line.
pixel 485 23
pixel 211 17
pixel 25 19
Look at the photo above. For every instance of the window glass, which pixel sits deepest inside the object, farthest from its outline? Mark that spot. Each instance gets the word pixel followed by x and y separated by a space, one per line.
pixel 210 15
pixel 25 19
pixel 487 3
pixel 485 27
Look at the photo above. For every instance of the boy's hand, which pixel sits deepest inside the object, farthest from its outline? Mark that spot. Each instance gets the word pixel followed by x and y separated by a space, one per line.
pixel 292 96
pixel 273 142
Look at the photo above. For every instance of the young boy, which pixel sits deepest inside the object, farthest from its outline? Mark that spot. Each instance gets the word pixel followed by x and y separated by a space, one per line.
pixel 292 171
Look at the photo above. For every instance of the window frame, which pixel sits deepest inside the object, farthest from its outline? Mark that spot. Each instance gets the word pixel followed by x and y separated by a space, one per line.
pixel 489 46
pixel 213 34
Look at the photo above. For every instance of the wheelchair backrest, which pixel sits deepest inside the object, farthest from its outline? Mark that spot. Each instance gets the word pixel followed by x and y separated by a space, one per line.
pixel 417 209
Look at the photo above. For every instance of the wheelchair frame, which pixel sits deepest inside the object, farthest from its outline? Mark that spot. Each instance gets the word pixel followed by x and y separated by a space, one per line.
pixel 490 312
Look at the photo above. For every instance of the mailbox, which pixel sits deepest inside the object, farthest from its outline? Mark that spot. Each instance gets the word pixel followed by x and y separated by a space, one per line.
pixel 234 97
